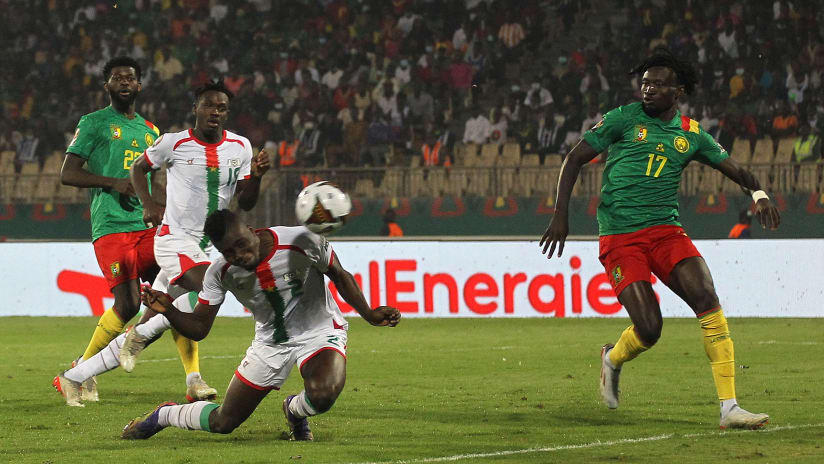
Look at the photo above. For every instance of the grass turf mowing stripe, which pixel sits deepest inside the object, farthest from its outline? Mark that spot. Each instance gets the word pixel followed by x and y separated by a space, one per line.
pixel 595 444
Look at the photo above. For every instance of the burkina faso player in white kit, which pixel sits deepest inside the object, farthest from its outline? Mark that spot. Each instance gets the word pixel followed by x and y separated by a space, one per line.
pixel 277 273
pixel 205 166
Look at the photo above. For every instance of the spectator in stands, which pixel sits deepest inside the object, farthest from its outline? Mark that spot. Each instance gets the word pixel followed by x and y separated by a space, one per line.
pixel 498 126
pixel 28 150
pixel 378 141
pixel 311 144
pixel 390 226
pixel 421 104
pixel 807 147
pixel 538 97
pixel 592 117
pixel 742 228
pixel 511 33
pixel 477 127
pixel 785 122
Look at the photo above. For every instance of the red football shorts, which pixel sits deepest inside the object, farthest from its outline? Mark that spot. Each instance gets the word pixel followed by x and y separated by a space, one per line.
pixel 631 257
pixel 126 256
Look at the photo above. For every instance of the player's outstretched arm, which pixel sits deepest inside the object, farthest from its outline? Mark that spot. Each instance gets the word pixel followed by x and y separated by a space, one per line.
pixel 351 293
pixel 152 212
pixel 195 325
pixel 72 173
pixel 766 212
pixel 249 189
pixel 558 229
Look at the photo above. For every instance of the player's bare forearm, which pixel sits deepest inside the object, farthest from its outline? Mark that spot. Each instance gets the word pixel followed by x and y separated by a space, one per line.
pixel 351 293
pixel 739 175
pixel 195 325
pixel 72 173
pixel 137 174
pixel 249 192
pixel 581 154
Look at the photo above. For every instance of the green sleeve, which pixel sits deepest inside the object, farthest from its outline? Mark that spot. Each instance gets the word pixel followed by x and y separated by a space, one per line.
pixel 85 138
pixel 709 151
pixel 609 130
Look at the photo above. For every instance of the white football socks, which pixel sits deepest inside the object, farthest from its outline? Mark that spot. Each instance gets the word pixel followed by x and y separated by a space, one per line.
pixel 194 416
pixel 104 361
pixel 158 323
pixel 301 407
pixel 727 405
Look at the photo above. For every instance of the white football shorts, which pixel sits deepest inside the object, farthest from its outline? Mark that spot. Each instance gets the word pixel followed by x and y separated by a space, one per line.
pixel 177 253
pixel 266 367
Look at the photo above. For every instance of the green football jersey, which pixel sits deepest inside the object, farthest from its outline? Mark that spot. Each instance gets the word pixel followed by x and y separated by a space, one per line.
pixel 644 164
pixel 110 142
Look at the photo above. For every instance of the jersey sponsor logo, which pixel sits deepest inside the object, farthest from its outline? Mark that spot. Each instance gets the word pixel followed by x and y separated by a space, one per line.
pixel 681 144
pixel 234 162
pixel 640 134
pixel 117 133
pixel 134 143
pixel 617 275
pixel 115 268
pixel 149 140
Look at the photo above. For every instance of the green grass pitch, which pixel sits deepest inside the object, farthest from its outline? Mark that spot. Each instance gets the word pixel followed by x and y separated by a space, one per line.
pixel 448 390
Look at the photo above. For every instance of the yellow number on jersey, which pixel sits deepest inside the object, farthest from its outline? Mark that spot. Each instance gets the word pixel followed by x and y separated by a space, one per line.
pixel 661 159
pixel 128 158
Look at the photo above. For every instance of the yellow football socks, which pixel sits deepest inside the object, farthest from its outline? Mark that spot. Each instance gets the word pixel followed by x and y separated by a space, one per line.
pixel 188 352
pixel 628 347
pixel 719 348
pixel 108 328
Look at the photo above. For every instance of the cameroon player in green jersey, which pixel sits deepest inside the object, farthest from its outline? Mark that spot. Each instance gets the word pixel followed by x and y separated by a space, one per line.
pixel 107 141
pixel 650 143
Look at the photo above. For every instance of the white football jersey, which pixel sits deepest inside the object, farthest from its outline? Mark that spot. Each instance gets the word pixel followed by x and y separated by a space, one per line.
pixel 200 178
pixel 287 293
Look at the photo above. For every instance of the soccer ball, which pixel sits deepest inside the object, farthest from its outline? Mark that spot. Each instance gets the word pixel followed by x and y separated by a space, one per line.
pixel 322 207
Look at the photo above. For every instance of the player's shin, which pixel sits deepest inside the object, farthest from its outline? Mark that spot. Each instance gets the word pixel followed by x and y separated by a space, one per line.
pixel 104 361
pixel 627 348
pixel 108 327
pixel 719 348
pixel 194 416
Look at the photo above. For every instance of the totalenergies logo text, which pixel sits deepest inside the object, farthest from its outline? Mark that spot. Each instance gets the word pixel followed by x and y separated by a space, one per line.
pixel 485 293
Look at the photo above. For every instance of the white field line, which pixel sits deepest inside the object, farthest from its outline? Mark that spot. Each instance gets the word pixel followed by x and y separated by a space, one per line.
pixel 595 444
pixel 776 342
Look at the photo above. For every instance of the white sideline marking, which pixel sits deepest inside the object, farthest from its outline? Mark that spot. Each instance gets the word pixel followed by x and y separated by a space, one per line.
pixel 776 342
pixel 595 444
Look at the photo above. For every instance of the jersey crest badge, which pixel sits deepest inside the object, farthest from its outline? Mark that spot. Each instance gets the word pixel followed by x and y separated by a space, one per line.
pixel 640 134
pixel 617 275
pixel 116 132
pixel 148 139
pixel 681 144
pixel 115 268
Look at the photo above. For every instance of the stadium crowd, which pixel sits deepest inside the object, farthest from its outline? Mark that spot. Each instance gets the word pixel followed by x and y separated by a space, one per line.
pixel 372 82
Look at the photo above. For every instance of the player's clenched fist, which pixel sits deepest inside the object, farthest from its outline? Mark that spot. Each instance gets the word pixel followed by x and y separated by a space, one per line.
pixel 155 300
pixel 260 163
pixel 384 315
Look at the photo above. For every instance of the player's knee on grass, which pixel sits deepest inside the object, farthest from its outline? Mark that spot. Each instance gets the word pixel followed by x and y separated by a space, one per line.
pixel 223 423
pixel 323 394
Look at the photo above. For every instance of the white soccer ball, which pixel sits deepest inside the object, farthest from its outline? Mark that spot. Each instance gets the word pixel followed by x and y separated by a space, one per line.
pixel 322 207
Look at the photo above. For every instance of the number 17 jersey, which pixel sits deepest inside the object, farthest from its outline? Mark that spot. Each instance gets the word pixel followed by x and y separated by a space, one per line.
pixel 644 165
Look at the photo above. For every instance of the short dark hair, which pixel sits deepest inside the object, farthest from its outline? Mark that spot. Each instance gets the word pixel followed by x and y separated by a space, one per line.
pixel 684 72
pixel 215 85
pixel 218 223
pixel 119 61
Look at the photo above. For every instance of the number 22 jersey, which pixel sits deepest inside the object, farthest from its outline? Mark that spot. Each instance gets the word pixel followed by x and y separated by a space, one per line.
pixel 109 142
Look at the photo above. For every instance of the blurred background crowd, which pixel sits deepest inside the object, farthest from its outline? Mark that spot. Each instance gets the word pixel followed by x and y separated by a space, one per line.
pixel 373 82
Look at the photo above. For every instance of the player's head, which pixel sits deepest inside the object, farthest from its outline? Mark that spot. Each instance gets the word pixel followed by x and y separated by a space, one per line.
pixel 211 107
pixel 237 242
pixel 121 78
pixel 664 79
